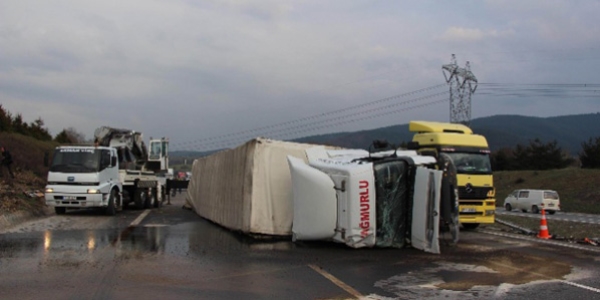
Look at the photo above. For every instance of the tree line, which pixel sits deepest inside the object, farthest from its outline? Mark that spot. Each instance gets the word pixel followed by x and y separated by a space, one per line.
pixel 15 124
pixel 545 156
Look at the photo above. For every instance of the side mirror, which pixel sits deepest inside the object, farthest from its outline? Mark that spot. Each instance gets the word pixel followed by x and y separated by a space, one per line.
pixel 113 161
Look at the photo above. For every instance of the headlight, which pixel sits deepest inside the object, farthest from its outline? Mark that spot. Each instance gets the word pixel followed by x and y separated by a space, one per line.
pixel 490 212
pixel 49 190
pixel 93 191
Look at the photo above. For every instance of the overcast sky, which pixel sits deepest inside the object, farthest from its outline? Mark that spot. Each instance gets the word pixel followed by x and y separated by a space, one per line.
pixel 203 72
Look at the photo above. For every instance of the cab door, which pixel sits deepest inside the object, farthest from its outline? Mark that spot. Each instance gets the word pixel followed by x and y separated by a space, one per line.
pixel 426 210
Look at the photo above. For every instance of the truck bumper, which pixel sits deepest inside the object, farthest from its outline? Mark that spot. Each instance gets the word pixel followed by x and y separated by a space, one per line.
pixel 76 200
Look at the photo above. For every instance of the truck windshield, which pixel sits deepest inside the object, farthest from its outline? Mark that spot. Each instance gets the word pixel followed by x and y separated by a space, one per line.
pixel 76 160
pixel 392 202
pixel 471 163
pixel 155 149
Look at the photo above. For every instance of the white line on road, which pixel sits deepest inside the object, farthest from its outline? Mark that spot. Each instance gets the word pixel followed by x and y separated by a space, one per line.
pixel 139 218
pixel 589 288
pixel 337 282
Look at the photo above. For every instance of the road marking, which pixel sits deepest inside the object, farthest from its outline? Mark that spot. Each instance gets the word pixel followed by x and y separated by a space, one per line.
pixel 589 288
pixel 139 219
pixel 350 290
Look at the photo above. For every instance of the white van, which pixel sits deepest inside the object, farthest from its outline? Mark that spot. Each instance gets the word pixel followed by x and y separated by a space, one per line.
pixel 533 200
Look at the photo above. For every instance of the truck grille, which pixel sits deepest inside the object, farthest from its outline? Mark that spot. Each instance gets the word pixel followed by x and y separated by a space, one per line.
pixel 472 192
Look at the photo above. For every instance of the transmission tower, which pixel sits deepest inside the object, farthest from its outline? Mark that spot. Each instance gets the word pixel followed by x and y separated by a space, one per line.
pixel 462 83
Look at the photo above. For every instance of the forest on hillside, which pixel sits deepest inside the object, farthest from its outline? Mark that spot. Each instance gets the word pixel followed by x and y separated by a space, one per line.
pixel 31 144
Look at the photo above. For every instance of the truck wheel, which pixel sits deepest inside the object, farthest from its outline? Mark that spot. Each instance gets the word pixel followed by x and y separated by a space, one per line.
pixel 156 200
pixel 111 209
pixel 149 200
pixel 535 209
pixel 139 198
pixel 60 210
pixel 508 207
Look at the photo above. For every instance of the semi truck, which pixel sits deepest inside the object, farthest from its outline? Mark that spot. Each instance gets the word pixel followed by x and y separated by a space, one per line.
pixel 114 172
pixel 390 199
pixel 470 154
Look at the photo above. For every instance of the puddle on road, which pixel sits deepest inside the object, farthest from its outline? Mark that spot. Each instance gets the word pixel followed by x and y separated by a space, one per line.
pixel 514 270
pixel 68 248
pixel 500 271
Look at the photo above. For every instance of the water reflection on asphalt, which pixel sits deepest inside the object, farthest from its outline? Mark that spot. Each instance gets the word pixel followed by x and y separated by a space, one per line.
pixel 77 247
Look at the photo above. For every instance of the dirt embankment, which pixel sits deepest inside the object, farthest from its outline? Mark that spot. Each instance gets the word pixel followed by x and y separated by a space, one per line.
pixel 23 193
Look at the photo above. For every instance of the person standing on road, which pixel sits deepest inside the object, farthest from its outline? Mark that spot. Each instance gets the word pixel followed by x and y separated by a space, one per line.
pixel 7 161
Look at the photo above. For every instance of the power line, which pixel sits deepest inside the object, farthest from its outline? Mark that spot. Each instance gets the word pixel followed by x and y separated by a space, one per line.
pixel 293 132
pixel 306 119
pixel 294 128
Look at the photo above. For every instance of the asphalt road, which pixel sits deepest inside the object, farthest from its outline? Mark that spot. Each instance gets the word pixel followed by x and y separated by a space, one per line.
pixel 171 253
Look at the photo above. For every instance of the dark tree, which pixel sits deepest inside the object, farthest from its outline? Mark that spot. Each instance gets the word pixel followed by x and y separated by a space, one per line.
pixel 19 126
pixel 5 120
pixel 37 130
pixel 63 137
pixel 540 156
pixel 590 154
pixel 502 160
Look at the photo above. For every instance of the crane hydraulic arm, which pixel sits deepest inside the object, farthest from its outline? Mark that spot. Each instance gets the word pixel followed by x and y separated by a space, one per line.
pixel 129 143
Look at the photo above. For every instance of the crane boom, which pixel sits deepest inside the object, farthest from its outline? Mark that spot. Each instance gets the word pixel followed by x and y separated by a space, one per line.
pixel 130 144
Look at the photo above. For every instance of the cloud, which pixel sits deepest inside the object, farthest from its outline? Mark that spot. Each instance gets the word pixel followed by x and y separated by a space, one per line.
pixel 458 34
pixel 192 69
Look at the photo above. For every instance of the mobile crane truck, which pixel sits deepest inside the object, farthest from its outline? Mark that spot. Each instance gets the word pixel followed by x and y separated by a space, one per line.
pixel 471 156
pixel 109 175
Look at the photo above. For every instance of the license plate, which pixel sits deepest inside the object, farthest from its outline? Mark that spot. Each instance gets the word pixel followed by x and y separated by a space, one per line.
pixel 551 204
pixel 70 197
pixel 468 210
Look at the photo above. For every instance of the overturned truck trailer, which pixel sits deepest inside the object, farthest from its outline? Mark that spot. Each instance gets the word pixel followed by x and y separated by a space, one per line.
pixel 247 188
pixel 362 199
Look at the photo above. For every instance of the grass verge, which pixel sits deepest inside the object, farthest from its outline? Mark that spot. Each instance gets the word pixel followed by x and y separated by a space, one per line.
pixel 559 229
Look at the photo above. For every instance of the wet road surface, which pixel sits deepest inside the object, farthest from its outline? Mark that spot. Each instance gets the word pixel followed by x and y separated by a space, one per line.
pixel 174 254
pixel 558 216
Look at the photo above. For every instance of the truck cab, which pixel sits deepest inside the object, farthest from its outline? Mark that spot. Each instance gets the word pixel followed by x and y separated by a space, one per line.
pixel 471 156
pixel 84 176
pixel 361 199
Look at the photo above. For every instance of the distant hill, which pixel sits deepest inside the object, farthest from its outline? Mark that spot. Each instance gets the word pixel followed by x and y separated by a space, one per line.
pixel 501 131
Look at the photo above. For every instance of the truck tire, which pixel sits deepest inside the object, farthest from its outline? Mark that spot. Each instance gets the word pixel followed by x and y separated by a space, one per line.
pixel 155 197
pixel 113 202
pixel 139 198
pixel 535 209
pixel 149 202
pixel 60 210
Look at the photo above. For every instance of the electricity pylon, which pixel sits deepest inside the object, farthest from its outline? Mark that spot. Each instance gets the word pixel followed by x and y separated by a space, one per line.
pixel 462 83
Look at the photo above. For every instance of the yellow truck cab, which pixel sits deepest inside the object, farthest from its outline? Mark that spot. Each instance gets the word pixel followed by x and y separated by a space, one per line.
pixel 471 156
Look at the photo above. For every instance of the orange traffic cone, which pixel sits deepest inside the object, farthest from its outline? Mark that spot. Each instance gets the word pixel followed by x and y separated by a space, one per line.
pixel 543 227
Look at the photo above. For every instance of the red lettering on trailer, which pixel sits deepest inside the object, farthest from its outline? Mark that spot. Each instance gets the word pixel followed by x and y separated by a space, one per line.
pixel 365 212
